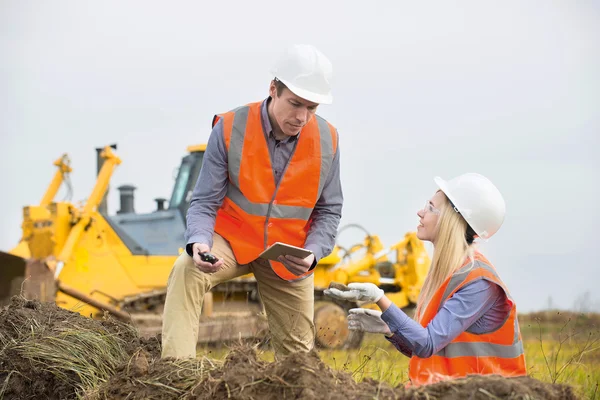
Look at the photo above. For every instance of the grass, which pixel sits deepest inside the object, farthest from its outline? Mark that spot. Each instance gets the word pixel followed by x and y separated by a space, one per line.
pixel 81 358
pixel 559 348
pixel 76 356
pixel 563 347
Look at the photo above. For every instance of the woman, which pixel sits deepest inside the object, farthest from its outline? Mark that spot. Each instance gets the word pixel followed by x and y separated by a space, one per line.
pixel 465 320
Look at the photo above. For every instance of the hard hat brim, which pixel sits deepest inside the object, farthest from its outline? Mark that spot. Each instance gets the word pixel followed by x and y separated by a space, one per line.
pixel 444 188
pixel 306 94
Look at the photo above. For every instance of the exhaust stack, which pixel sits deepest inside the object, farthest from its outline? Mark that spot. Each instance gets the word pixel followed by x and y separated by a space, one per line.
pixel 126 194
pixel 102 207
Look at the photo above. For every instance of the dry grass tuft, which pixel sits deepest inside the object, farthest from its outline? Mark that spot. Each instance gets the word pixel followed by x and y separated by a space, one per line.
pixel 154 379
pixel 46 351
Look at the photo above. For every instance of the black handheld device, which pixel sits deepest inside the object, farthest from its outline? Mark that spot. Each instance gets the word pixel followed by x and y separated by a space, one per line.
pixel 208 258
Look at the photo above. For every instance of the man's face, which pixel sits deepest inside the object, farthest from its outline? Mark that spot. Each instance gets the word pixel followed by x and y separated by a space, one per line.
pixel 290 112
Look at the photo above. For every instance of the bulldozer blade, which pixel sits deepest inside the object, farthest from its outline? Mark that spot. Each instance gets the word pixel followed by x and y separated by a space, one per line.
pixel 12 273
pixel 30 278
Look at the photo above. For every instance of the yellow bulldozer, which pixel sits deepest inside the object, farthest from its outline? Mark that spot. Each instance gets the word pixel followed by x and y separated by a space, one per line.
pixel 91 262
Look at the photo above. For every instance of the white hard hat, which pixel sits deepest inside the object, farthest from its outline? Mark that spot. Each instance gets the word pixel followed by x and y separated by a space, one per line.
pixel 478 201
pixel 306 72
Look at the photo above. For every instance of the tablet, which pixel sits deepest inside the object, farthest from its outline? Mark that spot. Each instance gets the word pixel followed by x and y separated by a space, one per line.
pixel 277 249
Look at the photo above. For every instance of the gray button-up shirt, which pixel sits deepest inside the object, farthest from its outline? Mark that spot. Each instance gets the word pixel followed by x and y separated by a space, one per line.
pixel 211 188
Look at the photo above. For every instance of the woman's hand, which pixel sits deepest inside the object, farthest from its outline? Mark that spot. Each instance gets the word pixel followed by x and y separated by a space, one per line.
pixel 359 292
pixel 362 319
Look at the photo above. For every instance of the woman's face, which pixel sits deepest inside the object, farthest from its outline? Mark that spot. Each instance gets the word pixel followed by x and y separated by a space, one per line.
pixel 428 217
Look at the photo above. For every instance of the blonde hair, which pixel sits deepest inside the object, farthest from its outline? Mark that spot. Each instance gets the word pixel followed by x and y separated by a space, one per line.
pixel 453 244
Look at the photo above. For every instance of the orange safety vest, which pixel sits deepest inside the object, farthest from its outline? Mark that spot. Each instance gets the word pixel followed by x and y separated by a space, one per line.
pixel 498 352
pixel 256 211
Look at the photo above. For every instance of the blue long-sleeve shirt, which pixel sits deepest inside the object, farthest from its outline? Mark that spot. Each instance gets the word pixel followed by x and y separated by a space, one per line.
pixel 478 307
pixel 211 188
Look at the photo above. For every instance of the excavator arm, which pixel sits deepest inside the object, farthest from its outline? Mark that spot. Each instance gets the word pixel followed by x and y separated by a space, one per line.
pixel 111 160
pixel 64 168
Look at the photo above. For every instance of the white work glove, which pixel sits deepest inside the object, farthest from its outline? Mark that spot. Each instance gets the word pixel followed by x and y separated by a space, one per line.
pixel 362 319
pixel 363 292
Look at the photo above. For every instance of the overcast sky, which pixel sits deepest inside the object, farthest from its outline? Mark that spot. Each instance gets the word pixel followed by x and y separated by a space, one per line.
pixel 507 89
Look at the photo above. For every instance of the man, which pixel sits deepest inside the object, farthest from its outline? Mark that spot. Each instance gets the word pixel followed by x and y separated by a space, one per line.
pixel 270 174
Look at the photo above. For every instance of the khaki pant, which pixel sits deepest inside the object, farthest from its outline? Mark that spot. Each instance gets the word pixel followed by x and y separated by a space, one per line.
pixel 289 305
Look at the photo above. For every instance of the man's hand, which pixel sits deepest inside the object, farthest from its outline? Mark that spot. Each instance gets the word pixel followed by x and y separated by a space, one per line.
pixel 204 266
pixel 362 319
pixel 295 265
pixel 363 292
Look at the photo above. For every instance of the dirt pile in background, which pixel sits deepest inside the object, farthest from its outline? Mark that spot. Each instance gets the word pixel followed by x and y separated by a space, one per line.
pixel 50 353
pixel 493 387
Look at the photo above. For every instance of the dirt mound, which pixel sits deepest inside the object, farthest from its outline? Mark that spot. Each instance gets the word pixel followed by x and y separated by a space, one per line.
pixel 300 376
pixel 49 352
pixel 241 376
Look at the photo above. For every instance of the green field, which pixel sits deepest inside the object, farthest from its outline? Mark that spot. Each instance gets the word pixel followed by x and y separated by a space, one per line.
pixel 559 348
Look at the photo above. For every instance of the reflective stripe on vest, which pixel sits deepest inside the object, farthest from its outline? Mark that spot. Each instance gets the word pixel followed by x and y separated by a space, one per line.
pixel 262 209
pixel 258 211
pixel 481 349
